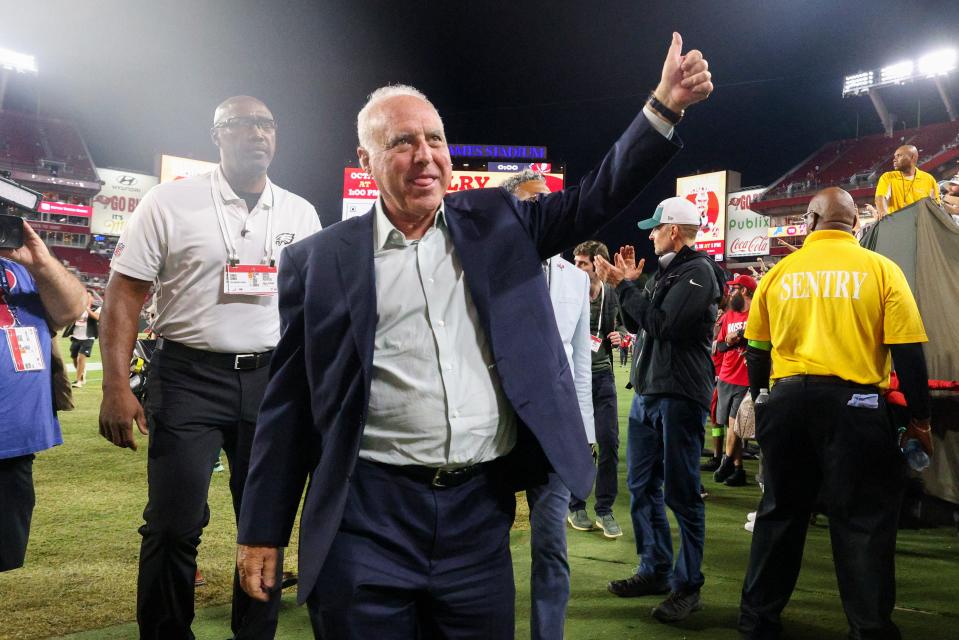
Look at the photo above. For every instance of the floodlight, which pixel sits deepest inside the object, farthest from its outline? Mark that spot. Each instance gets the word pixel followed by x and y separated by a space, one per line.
pixel 857 82
pixel 20 62
pixel 896 72
pixel 938 62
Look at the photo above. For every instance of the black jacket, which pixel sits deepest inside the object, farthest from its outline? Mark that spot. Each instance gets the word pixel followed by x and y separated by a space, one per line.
pixel 676 312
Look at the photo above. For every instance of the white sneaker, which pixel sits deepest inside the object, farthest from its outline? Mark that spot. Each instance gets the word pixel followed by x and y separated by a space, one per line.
pixel 749 526
pixel 751 516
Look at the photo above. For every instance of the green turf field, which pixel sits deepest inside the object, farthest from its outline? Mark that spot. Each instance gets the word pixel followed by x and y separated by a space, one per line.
pixel 80 575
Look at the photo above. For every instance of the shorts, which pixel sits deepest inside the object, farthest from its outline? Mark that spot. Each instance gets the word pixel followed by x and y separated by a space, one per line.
pixel 81 346
pixel 729 397
pixel 16 509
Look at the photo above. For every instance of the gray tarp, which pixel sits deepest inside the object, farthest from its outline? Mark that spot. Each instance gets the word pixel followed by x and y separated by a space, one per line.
pixel 924 241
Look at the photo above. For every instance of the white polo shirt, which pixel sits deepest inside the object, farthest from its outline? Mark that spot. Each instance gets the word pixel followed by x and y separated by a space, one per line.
pixel 173 238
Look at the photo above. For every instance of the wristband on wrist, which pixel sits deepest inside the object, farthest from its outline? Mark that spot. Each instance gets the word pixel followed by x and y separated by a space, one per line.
pixel 663 110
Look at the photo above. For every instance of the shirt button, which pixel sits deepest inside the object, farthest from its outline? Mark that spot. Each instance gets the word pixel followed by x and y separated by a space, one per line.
pixel 448 367
pixel 430 280
pixel 441 323
pixel 456 414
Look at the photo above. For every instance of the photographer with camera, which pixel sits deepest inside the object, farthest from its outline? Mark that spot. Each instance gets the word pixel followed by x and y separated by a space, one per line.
pixel 36 293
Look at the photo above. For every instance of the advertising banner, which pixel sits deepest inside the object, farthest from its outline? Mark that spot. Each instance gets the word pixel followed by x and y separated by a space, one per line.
pixel 788 230
pixel 177 168
pixel 516 167
pixel 708 192
pixel 120 195
pixel 747 232
pixel 360 191
pixel 65 209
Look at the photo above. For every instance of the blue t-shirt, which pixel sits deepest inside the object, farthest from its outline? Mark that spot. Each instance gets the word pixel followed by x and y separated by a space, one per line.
pixel 27 421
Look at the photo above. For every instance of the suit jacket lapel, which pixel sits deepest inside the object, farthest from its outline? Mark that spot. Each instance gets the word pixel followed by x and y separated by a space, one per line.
pixel 355 267
pixel 470 251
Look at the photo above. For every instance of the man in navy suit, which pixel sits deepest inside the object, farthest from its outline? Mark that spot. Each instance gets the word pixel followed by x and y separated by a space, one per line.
pixel 420 379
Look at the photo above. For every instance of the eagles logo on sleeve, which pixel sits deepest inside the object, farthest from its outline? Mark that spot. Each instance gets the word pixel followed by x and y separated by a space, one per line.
pixel 284 238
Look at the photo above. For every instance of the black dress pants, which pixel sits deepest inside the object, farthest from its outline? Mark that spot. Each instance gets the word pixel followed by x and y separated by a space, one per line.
pixel 193 409
pixel 835 442
pixel 17 499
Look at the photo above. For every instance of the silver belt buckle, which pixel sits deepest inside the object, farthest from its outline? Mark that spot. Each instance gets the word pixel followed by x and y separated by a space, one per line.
pixel 244 357
pixel 437 482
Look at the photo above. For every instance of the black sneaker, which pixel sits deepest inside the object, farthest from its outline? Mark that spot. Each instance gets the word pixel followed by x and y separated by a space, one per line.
pixel 726 469
pixel 637 585
pixel 737 479
pixel 710 465
pixel 677 606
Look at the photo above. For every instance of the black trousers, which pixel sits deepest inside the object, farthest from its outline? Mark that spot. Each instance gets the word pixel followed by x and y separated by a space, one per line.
pixel 414 562
pixel 17 499
pixel 816 444
pixel 606 422
pixel 193 410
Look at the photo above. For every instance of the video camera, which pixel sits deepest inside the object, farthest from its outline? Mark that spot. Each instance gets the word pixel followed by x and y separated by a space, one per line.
pixel 14 196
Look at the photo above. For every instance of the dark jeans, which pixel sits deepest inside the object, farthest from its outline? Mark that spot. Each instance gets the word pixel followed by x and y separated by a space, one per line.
pixel 606 421
pixel 663 447
pixel 193 409
pixel 815 445
pixel 17 499
pixel 413 562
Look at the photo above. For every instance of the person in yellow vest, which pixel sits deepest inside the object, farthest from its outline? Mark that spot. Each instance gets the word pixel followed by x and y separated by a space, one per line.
pixel 826 319
pixel 906 184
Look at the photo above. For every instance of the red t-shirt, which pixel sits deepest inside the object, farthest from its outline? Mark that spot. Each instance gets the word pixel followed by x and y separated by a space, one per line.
pixel 733 369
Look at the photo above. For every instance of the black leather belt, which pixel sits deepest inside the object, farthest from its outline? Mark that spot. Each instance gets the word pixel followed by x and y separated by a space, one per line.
pixel 234 361
pixel 437 478
pixel 831 380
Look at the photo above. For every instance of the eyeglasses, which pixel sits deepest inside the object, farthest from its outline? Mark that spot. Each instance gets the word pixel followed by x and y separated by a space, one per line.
pixel 238 123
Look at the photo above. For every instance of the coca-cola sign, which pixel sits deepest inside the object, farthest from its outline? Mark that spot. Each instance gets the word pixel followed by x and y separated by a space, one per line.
pixel 748 232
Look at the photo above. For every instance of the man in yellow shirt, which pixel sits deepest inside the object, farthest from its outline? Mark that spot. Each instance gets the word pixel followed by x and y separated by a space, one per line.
pixel 826 319
pixel 907 184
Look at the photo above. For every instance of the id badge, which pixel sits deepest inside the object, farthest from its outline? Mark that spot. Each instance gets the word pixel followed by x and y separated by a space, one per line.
pixel 24 344
pixel 250 280
pixel 595 343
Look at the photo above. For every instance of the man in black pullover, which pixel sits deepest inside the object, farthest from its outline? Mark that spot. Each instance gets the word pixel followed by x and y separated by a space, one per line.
pixel 673 378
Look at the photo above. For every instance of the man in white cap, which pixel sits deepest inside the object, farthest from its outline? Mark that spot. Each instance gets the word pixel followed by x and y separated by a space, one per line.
pixel 673 379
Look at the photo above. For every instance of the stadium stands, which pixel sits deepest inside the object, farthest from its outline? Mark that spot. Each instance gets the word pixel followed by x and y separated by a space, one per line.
pixel 34 143
pixel 857 163
pixel 83 261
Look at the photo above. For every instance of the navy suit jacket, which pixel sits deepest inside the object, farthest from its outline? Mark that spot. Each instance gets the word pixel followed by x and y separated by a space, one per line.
pixel 315 406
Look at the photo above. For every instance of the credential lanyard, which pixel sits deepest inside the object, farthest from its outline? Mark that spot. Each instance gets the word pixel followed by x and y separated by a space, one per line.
pixel 602 304
pixel 7 294
pixel 269 256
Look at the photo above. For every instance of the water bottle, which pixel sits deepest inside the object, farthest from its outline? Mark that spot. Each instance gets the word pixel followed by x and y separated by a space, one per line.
pixel 763 397
pixel 916 458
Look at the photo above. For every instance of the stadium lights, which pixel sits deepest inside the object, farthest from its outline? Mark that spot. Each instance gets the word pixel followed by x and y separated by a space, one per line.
pixel 858 82
pixel 19 62
pixel 898 72
pixel 937 63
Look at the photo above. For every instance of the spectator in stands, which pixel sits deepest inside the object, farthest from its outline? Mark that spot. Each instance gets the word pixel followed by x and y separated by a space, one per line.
pixel 733 381
pixel 673 378
pixel 823 325
pixel 83 333
pixel 607 331
pixel 569 291
pixel 905 185
pixel 35 292
pixel 200 239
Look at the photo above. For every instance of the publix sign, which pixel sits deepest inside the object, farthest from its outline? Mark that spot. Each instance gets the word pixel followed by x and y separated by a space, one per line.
pixel 747 232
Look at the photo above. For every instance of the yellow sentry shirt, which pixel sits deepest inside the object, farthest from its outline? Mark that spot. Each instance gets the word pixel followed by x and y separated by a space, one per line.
pixel 831 308
pixel 902 192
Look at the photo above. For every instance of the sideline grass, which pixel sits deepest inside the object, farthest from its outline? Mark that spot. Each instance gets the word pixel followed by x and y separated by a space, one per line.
pixel 80 577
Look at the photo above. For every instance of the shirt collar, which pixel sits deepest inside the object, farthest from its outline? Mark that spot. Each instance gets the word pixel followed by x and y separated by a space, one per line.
pixel 229 196
pixel 829 234
pixel 388 235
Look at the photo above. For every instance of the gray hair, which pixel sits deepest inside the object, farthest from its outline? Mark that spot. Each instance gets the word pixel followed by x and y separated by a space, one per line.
pixel 366 119
pixel 526 175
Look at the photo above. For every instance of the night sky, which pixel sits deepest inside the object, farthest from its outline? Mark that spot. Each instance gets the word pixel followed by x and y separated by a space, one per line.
pixel 140 78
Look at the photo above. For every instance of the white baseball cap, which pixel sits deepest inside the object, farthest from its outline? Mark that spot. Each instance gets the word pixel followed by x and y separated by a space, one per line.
pixel 672 211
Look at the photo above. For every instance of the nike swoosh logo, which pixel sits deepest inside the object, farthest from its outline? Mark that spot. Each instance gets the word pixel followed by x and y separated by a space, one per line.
pixel 695 284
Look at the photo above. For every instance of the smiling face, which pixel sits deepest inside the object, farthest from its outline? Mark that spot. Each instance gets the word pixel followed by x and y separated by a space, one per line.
pixel 411 162
pixel 246 148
